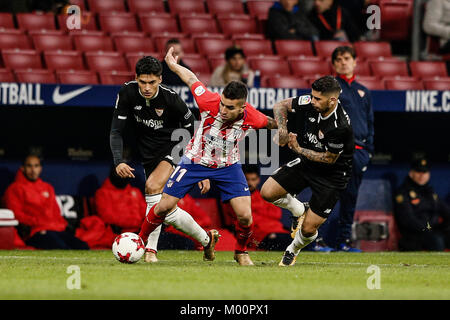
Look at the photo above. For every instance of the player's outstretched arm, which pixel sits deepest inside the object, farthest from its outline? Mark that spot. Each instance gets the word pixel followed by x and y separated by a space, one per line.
pixel 324 157
pixel 280 113
pixel 186 75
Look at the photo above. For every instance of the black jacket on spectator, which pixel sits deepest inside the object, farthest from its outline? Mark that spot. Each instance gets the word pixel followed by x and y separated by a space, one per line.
pixel 169 77
pixel 281 21
pixel 347 24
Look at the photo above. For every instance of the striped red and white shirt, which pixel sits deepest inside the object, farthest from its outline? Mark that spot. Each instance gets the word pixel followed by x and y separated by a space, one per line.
pixel 215 143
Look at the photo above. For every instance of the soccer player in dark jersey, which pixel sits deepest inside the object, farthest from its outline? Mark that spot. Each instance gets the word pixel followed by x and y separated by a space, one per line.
pixel 156 112
pixel 213 153
pixel 323 140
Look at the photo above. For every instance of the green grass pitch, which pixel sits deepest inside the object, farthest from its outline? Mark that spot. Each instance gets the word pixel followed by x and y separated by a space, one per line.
pixel 182 275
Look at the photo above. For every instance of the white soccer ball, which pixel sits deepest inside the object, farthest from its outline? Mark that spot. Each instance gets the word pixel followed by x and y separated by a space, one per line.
pixel 128 247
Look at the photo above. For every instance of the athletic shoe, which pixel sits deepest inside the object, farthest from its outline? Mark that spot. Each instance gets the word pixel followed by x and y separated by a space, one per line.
pixel 150 256
pixel 243 258
pixel 297 221
pixel 208 251
pixel 347 247
pixel 320 246
pixel 288 259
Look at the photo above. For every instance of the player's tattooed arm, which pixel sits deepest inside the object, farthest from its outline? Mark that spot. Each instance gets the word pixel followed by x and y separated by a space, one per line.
pixel 280 113
pixel 324 157
pixel 186 75
pixel 271 123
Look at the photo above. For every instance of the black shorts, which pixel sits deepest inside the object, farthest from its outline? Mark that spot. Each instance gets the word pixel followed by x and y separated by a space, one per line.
pixel 151 163
pixel 294 178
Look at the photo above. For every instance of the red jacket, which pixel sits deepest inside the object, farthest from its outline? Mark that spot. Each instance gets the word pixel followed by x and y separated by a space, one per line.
pixel 266 217
pixel 122 207
pixel 34 204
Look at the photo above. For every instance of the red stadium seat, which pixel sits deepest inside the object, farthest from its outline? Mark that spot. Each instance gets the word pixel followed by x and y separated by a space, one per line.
pixel 362 68
pixel 133 57
pixel 139 6
pixel 255 47
pixel 293 48
pixel 6 20
pixel 210 47
pixel 13 38
pixel 216 61
pixel 87 22
pixel 117 22
pixel 116 77
pixel 248 36
pixel 77 77
pixel 427 69
pixel 177 6
pixel 36 21
pixel 7 76
pixel 92 41
pixel 325 48
pixel 403 85
pixel 208 35
pixel 371 83
pixel 287 82
pixel 396 19
pixel 187 43
pixel 132 42
pixel 370 49
pixel 191 25
pixel 388 68
pixel 269 65
pixel 230 25
pixel 198 64
pixel 21 59
pixel 307 67
pixel 106 5
pixel 79 3
pixel 437 83
pixel 51 40
pixel 219 6
pixel 106 61
pixel 35 76
pixel 63 60
pixel 259 8
pixel 157 23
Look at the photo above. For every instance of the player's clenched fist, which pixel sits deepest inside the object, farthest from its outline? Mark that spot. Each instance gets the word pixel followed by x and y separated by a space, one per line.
pixel 293 143
pixel 124 171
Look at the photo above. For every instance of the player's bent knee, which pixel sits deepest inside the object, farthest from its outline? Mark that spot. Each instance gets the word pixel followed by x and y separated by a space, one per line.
pixel 308 230
pixel 245 219
pixel 152 187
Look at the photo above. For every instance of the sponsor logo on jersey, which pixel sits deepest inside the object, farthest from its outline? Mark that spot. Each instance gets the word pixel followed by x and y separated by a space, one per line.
pixel 159 112
pixel 335 145
pixel 304 100
pixel 151 123
pixel 199 91
pixel 313 139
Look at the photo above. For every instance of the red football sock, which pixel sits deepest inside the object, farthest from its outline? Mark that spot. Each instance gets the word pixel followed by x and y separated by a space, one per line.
pixel 243 235
pixel 151 222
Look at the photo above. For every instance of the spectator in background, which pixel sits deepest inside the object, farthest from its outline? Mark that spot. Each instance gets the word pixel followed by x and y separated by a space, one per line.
pixel 357 102
pixel 287 21
pixel 333 21
pixel 436 22
pixel 418 212
pixel 119 204
pixel 235 68
pixel 34 204
pixel 268 232
pixel 168 76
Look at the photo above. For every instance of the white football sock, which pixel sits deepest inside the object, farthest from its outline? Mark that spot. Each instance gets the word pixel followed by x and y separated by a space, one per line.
pixel 295 206
pixel 152 242
pixel 183 221
pixel 300 241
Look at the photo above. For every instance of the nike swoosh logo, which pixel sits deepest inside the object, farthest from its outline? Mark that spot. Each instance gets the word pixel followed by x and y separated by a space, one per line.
pixel 59 98
pixel 246 189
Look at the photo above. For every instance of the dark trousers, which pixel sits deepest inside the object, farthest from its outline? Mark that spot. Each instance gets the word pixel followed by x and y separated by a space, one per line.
pixel 349 196
pixel 431 241
pixel 56 240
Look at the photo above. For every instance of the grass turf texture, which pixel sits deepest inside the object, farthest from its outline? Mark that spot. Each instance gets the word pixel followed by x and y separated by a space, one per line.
pixel 183 275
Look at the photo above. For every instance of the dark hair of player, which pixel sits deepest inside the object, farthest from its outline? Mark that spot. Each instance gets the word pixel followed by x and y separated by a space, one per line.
pixel 341 50
pixel 148 65
pixel 326 85
pixel 250 168
pixel 172 41
pixel 235 90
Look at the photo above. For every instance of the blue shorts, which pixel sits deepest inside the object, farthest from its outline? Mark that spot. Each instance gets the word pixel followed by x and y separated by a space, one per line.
pixel 229 180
